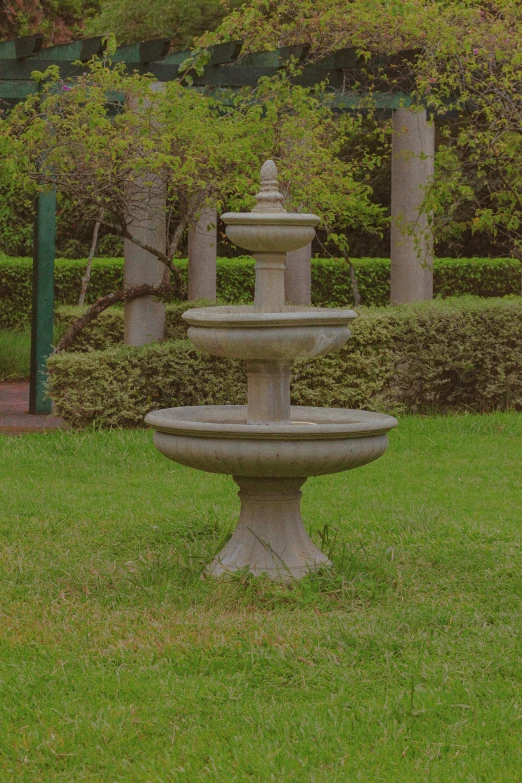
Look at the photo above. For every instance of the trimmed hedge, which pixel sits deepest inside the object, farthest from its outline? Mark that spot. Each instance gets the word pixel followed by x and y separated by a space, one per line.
pixel 485 277
pixel 488 277
pixel 16 284
pixel 458 354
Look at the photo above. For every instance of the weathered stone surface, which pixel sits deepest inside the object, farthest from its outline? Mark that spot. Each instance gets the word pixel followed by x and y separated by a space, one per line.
pixel 298 276
pixel 313 442
pixel 260 542
pixel 144 318
pixel 202 256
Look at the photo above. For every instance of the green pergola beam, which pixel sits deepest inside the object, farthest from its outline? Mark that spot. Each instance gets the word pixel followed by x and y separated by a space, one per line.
pixel 219 54
pixel 239 75
pixel 342 70
pixel 43 300
pixel 76 50
pixel 277 58
pixel 26 46
pixel 381 101
pixel 16 89
pixel 13 70
pixel 344 58
pixel 144 52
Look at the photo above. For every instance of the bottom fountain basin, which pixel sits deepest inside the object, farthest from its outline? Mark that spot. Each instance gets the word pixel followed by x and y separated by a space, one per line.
pixel 316 441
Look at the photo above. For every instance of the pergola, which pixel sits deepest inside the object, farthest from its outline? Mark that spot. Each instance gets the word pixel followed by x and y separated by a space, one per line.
pixel 344 71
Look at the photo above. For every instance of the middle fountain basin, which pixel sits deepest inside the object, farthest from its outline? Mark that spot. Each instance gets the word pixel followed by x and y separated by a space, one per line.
pixel 316 441
pixel 241 332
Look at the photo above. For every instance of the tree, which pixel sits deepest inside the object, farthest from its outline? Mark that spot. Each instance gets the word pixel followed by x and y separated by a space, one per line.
pixel 384 26
pixel 468 64
pixel 105 136
pixel 478 182
pixel 64 20
pixel 59 20
pixel 176 19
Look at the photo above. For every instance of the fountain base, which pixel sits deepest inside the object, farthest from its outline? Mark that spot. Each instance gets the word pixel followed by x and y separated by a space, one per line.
pixel 270 463
pixel 270 537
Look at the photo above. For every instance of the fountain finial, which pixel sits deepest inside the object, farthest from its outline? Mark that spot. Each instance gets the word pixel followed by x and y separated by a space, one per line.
pixel 269 199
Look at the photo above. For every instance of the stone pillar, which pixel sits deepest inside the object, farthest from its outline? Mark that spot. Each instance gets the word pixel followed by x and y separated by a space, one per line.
pixel 413 150
pixel 298 276
pixel 144 318
pixel 202 256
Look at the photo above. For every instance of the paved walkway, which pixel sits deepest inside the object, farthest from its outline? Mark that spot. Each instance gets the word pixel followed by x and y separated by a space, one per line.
pixel 14 412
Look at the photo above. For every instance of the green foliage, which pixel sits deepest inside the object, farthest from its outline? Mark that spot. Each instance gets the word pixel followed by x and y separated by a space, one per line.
pixel 235 283
pixel 379 26
pixel 100 153
pixel 463 353
pixel 468 73
pixel 104 332
pixel 477 276
pixel 439 356
pixel 59 20
pixel 478 182
pixel 175 19
pixel 16 218
pixel 73 233
pixel 130 382
pixel 115 160
pixel 331 285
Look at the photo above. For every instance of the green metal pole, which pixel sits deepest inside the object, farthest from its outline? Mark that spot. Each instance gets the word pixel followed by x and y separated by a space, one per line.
pixel 43 300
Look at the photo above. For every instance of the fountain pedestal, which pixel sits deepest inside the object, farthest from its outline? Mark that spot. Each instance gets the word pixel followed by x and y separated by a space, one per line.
pixel 270 537
pixel 269 446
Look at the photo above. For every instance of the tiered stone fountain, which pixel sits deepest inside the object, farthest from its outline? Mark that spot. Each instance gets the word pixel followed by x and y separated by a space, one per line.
pixel 268 446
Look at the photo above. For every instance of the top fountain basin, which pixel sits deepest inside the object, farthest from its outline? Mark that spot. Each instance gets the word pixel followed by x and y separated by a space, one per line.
pixel 270 232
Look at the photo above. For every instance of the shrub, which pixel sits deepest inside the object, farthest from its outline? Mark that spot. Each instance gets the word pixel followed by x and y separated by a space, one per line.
pixel 458 354
pixel 119 386
pixel 330 281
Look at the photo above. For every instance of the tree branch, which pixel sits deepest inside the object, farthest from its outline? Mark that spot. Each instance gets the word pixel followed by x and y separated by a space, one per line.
pixel 87 276
pixel 180 283
pixel 165 289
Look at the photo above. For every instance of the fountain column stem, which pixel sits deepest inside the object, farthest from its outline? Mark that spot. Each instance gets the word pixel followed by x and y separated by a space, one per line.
pixel 269 381
pixel 270 282
pixel 268 392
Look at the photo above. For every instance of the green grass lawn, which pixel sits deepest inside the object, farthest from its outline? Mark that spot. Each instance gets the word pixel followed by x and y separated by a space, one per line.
pixel 119 664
